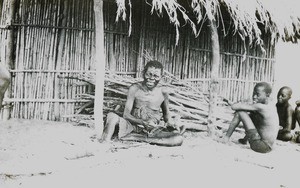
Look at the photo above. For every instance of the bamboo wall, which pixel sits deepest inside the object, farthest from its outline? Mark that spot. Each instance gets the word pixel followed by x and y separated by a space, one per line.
pixel 241 66
pixel 120 48
pixel 54 41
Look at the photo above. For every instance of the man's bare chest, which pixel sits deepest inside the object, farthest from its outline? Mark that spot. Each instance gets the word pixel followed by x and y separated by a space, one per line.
pixel 153 97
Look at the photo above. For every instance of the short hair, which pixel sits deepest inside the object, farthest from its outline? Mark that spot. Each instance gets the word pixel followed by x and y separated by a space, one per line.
pixel 267 87
pixel 287 88
pixel 155 64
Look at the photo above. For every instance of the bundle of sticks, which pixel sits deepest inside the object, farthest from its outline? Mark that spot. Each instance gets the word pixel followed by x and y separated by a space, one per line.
pixel 186 102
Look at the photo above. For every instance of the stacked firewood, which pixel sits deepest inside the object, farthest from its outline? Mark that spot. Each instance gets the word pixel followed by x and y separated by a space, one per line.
pixel 186 102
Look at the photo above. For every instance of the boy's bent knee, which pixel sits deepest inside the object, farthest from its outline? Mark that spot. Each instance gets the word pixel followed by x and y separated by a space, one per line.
pixel 242 113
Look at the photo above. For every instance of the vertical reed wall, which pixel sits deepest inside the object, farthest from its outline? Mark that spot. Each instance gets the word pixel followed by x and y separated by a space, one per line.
pixel 54 41
pixel 241 66
pixel 120 48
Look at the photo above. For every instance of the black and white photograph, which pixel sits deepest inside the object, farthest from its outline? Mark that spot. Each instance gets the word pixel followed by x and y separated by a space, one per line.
pixel 149 93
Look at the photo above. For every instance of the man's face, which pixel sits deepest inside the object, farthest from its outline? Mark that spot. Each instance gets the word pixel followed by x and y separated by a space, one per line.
pixel 283 96
pixel 259 95
pixel 152 76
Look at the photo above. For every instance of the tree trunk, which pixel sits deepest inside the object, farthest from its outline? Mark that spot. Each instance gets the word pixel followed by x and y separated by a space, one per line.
pixel 9 55
pixel 59 57
pixel 213 90
pixel 100 67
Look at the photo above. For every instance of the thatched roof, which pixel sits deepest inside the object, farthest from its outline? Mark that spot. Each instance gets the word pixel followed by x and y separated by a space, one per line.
pixel 251 18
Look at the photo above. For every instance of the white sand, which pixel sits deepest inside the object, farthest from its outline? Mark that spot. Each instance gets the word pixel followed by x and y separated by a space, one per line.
pixel 52 154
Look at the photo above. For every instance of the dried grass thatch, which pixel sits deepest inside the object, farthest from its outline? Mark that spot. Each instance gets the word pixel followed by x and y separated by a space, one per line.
pixel 279 17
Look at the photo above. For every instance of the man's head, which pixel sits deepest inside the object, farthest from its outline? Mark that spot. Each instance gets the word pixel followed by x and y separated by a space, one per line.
pixel 152 74
pixel 284 95
pixel 261 92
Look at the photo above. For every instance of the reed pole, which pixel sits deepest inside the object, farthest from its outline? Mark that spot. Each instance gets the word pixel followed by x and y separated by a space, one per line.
pixel 214 82
pixel 100 67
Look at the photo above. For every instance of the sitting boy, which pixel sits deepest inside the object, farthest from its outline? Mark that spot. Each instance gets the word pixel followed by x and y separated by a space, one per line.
pixel 259 119
pixel 141 117
pixel 285 113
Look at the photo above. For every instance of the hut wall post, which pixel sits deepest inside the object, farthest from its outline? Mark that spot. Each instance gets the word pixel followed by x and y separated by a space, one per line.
pixel 61 46
pixel 139 64
pixel 1 6
pixel 100 67
pixel 215 63
pixel 9 52
pixel 186 56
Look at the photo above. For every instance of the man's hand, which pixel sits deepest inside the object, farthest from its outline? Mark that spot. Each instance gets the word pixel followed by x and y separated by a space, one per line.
pixel 148 125
pixel 228 101
pixel 172 126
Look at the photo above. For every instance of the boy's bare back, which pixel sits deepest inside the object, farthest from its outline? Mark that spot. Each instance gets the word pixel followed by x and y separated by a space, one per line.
pixel 266 121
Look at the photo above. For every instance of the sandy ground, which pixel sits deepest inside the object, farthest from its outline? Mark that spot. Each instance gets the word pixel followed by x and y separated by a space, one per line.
pixel 52 154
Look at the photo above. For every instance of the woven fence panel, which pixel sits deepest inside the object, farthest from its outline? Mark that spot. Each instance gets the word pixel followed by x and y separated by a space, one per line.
pixel 121 48
pixel 241 65
pixel 54 42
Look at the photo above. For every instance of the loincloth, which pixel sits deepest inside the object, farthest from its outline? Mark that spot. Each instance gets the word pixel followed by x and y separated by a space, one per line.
pixel 149 115
pixel 257 143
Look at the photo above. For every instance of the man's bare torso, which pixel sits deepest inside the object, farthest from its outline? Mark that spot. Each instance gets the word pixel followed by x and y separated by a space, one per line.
pixel 150 99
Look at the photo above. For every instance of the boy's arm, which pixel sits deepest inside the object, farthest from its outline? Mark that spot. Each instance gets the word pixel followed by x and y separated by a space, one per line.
pixel 246 107
pixel 289 120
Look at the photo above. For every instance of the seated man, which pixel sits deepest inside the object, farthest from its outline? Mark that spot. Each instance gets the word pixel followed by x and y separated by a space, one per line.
pixel 4 82
pixel 141 117
pixel 285 113
pixel 297 118
pixel 259 119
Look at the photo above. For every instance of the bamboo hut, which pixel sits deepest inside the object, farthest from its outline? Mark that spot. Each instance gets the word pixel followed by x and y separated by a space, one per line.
pixel 54 40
